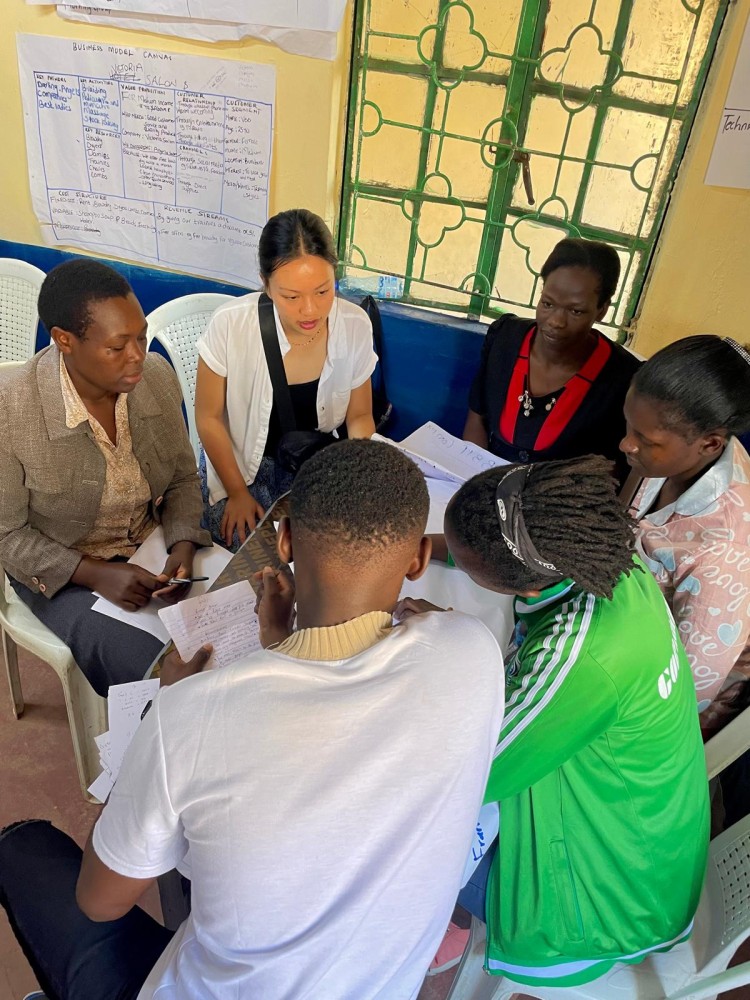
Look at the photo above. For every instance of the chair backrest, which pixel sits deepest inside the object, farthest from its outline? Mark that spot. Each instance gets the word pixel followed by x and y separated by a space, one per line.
pixel 177 325
pixel 722 922
pixel 19 291
pixel 728 744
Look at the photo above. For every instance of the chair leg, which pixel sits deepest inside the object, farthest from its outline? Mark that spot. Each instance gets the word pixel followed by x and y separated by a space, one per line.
pixel 87 716
pixel 10 655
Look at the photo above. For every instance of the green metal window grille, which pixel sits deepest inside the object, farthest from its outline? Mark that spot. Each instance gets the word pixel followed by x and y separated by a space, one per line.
pixel 483 131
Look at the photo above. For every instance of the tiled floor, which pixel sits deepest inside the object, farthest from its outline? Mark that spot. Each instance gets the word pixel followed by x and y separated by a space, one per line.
pixel 38 780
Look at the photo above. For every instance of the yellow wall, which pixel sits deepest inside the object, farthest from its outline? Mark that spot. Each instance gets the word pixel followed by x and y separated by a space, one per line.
pixel 701 276
pixel 310 100
pixel 700 280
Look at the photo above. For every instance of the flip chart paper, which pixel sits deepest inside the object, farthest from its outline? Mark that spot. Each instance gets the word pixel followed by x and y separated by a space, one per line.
pixel 152 156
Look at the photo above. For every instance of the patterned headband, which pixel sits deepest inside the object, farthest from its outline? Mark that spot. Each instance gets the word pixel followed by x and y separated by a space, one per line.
pixel 509 510
pixel 743 353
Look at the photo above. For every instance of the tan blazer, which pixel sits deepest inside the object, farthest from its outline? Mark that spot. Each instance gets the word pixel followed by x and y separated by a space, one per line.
pixel 52 476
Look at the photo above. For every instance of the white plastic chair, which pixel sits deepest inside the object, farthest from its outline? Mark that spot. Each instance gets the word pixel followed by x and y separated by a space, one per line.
pixel 177 325
pixel 697 968
pixel 728 744
pixel 87 711
pixel 19 291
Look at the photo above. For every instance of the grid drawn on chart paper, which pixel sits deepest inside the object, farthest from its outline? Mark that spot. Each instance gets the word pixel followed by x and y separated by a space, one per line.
pixel 151 167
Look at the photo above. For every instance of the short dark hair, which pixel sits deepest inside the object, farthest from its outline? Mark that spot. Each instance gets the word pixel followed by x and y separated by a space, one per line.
pixel 69 289
pixel 698 384
pixel 293 234
pixel 572 516
pixel 592 255
pixel 359 494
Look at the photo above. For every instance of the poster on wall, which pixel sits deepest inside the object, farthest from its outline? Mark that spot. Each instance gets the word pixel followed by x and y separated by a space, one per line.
pixel 296 41
pixel 151 156
pixel 729 165
pixel 314 15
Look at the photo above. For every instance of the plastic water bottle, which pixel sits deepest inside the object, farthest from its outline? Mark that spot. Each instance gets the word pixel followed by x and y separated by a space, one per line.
pixel 381 286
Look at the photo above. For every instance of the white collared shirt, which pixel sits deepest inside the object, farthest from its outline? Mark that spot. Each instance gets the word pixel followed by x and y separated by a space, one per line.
pixel 232 347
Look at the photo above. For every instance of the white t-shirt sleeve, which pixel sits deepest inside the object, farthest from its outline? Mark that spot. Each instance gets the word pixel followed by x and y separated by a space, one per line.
pixel 365 358
pixel 213 345
pixel 139 834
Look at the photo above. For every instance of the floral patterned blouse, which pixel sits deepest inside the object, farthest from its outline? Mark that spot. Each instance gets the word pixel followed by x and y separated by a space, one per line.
pixel 698 548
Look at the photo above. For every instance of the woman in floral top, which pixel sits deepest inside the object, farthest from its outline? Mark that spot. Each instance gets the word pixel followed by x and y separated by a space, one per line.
pixel 683 410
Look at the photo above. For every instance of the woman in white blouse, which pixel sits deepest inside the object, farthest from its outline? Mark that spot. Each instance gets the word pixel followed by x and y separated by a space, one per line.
pixel 326 346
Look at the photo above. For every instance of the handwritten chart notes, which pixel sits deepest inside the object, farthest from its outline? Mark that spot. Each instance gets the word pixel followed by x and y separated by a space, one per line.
pixel 729 165
pixel 147 155
pixel 226 618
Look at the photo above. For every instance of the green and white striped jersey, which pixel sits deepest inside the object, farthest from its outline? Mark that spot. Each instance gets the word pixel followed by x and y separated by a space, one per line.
pixel 601 779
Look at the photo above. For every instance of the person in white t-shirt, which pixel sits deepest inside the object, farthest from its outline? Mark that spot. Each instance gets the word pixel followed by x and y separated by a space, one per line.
pixel 328 357
pixel 326 787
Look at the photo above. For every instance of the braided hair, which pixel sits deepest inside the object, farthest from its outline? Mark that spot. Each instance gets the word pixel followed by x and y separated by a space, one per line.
pixel 572 515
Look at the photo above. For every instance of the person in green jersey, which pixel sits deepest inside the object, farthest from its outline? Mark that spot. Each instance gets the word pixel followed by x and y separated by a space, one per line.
pixel 599 770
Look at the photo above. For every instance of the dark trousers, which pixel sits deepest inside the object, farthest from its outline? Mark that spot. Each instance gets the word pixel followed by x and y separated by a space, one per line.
pixel 473 896
pixel 107 650
pixel 73 957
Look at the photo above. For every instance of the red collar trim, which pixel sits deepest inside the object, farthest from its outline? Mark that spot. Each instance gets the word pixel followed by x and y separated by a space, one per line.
pixel 573 393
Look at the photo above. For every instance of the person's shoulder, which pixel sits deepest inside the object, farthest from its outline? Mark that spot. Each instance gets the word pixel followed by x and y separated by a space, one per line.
pixel 236 311
pixel 453 632
pixel 18 383
pixel 508 331
pixel 351 319
pixel 157 371
pixel 623 360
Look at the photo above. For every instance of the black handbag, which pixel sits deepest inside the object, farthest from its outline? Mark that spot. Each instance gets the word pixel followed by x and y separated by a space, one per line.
pixel 295 446
pixel 382 408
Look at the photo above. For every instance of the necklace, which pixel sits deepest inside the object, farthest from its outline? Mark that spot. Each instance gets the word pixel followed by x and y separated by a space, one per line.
pixel 310 340
pixel 527 402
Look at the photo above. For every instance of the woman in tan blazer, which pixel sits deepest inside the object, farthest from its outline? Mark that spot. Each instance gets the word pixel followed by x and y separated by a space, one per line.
pixel 94 454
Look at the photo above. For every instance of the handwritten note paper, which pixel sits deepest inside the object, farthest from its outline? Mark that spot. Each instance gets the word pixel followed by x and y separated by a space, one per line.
pixel 440 455
pixel 226 618
pixel 148 155
pixel 729 165
pixel 125 705
pixel 152 555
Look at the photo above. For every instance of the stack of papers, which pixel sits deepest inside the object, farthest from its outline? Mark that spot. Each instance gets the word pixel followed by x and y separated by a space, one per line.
pixel 225 618
pixel 125 707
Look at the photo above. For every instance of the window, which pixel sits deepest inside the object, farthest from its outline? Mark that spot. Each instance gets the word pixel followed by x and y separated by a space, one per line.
pixel 483 131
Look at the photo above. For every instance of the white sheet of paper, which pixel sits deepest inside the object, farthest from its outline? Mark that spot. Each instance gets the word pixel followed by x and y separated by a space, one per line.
pixel 296 41
pixel 226 618
pixel 101 786
pixel 439 455
pixel 125 704
pixel 461 459
pixel 729 165
pixel 152 555
pixel 441 493
pixel 152 156
pixel 104 747
pixel 317 15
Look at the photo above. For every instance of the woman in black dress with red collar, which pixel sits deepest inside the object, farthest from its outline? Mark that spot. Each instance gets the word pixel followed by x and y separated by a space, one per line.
pixel 554 388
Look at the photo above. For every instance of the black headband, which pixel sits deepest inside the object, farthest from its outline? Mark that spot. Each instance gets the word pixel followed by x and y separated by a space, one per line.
pixel 509 510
